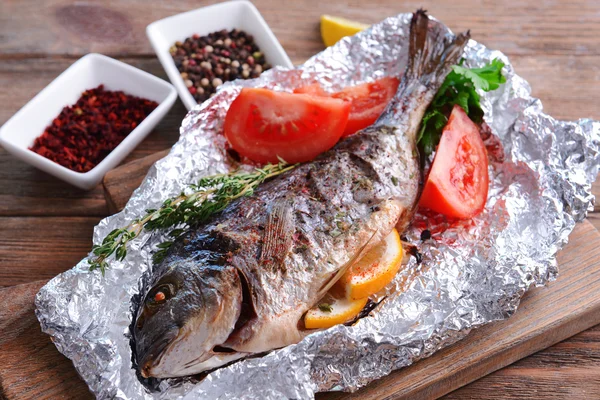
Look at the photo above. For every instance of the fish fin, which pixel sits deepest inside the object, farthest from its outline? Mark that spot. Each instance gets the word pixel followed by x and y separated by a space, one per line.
pixel 344 268
pixel 432 51
pixel 278 236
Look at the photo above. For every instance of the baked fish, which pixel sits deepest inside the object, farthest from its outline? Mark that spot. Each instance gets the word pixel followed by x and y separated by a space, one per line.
pixel 240 283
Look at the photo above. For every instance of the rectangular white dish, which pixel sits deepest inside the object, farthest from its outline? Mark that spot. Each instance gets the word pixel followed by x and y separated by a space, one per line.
pixel 90 71
pixel 238 14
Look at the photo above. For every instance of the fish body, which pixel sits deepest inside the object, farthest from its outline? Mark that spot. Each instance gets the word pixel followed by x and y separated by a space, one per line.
pixel 240 283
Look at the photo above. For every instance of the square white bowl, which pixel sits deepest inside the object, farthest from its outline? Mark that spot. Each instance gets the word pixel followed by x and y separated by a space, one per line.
pixel 202 21
pixel 89 72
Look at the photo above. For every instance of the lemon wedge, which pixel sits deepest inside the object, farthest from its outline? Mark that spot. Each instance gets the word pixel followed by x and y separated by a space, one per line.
pixel 350 294
pixel 335 28
pixel 332 310
pixel 374 270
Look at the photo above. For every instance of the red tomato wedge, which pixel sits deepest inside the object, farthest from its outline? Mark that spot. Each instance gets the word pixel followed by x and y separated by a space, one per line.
pixel 457 185
pixel 314 89
pixel 265 125
pixel 368 100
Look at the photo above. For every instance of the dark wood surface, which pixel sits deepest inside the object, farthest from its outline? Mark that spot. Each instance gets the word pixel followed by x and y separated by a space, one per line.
pixel 32 368
pixel 120 183
pixel 46 225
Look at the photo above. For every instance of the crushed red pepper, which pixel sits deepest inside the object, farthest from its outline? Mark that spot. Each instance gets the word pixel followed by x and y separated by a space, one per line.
pixel 86 132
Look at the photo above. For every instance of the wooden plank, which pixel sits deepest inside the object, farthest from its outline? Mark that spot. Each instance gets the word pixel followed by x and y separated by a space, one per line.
pixel 576 306
pixel 594 219
pixel 553 79
pixel 31 367
pixel 59 27
pixel 120 183
pixel 567 370
pixel 36 248
pixel 24 190
pixel 596 193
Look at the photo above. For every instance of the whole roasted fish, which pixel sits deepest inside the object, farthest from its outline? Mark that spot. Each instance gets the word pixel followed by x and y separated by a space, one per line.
pixel 240 283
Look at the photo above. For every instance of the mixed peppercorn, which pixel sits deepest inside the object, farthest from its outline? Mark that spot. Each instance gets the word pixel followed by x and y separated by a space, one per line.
pixel 205 62
pixel 85 133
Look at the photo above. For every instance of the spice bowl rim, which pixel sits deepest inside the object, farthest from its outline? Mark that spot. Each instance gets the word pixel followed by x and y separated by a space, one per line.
pixel 10 131
pixel 179 26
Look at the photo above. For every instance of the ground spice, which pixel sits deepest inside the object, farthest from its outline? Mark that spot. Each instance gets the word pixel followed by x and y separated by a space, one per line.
pixel 205 62
pixel 85 133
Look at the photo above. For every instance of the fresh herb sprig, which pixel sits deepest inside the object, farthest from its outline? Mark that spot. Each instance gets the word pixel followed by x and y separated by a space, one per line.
pixel 209 196
pixel 459 87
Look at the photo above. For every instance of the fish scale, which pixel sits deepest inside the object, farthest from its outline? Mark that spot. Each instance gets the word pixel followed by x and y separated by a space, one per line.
pixel 269 258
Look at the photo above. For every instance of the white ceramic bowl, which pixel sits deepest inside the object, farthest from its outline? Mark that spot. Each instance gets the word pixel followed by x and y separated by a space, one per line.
pixel 90 71
pixel 228 15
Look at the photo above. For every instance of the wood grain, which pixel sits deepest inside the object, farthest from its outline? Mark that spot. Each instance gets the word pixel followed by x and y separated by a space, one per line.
pixel 576 306
pixel 40 248
pixel 575 362
pixel 56 27
pixel 31 366
pixel 596 193
pixel 120 183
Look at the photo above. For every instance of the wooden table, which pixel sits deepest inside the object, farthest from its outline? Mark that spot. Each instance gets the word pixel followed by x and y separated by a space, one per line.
pixel 46 225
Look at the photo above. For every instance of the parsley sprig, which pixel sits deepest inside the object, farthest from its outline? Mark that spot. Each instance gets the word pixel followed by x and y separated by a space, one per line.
pixel 459 87
pixel 209 196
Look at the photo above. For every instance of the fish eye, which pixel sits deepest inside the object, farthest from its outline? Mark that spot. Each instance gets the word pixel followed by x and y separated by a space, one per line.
pixel 161 294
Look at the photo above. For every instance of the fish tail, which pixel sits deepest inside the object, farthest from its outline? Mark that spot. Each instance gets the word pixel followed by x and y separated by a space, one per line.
pixel 432 51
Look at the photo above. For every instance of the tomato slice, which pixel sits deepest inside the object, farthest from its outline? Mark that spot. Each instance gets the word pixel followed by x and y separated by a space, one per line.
pixel 457 185
pixel 368 100
pixel 313 89
pixel 265 125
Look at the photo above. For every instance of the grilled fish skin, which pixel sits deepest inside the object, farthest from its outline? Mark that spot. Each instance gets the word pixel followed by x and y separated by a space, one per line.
pixel 240 283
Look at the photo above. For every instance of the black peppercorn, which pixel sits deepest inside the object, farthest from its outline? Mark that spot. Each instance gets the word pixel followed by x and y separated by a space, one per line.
pixel 206 62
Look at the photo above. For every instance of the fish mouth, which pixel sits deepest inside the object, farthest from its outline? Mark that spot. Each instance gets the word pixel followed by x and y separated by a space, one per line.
pixel 150 362
pixel 151 358
pixel 215 360
pixel 205 362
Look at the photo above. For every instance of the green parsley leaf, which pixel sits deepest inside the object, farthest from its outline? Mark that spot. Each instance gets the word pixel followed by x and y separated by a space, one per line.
pixel 433 121
pixel 486 78
pixel 460 87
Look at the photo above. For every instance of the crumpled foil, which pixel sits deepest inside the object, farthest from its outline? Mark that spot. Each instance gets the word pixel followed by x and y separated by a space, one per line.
pixel 473 272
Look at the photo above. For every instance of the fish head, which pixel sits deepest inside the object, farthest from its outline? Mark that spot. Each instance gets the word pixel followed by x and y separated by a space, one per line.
pixel 188 311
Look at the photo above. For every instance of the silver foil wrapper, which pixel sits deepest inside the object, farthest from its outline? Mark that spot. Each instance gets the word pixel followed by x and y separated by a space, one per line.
pixel 473 272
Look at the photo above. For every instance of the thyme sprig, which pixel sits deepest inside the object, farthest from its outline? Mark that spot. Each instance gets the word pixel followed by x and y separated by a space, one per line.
pixel 209 196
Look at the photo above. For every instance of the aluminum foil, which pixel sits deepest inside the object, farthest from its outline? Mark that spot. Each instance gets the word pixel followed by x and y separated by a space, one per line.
pixel 473 272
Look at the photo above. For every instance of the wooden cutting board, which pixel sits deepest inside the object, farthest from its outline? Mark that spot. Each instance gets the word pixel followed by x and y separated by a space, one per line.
pixel 32 368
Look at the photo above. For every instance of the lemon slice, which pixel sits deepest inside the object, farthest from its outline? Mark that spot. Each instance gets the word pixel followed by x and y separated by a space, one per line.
pixel 331 311
pixel 374 270
pixel 335 28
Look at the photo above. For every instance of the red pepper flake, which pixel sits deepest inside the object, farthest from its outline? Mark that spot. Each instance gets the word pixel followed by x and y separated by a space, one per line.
pixel 85 133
